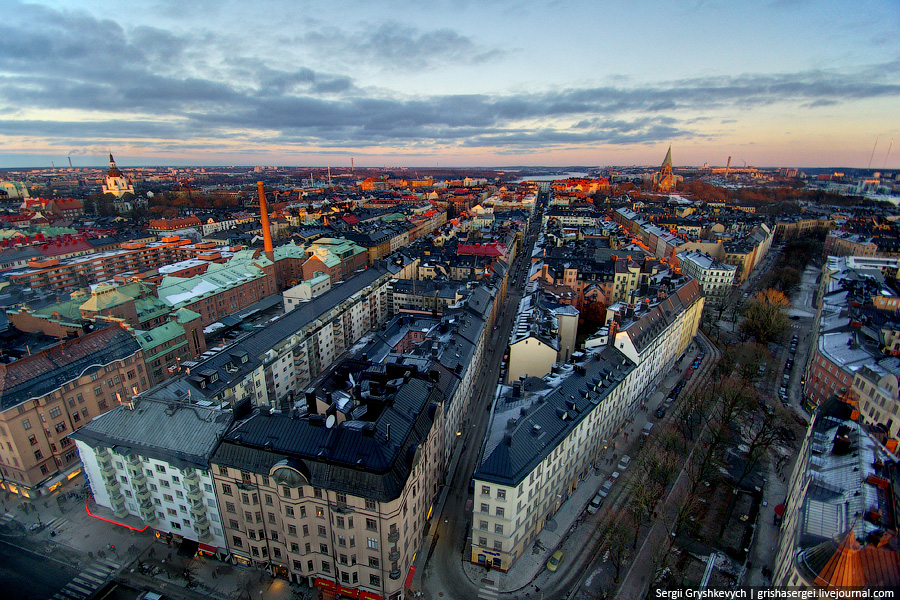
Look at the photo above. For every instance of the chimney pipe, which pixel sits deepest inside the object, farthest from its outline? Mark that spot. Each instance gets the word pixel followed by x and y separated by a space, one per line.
pixel 264 218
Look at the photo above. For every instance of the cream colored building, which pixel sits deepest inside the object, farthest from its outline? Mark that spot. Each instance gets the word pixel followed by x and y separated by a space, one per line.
pixel 543 335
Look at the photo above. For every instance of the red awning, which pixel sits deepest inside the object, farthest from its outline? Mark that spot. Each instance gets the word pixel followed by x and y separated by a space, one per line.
pixel 207 548
pixel 409 578
pixel 779 510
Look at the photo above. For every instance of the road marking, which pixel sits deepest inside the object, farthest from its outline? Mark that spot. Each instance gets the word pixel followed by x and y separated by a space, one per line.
pixel 489 593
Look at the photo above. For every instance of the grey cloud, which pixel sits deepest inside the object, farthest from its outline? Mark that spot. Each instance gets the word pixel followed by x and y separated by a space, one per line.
pixel 77 62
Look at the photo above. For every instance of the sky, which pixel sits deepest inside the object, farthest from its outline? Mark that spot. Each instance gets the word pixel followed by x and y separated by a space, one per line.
pixel 450 83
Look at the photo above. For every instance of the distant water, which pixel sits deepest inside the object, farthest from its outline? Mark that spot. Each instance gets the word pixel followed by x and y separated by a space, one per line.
pixel 551 177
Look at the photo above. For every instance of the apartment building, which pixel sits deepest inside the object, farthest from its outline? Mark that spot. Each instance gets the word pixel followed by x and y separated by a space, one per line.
pixel 543 437
pixel 840 508
pixel 543 335
pixel 340 505
pixel 271 363
pixel 715 278
pixel 48 395
pixel 150 458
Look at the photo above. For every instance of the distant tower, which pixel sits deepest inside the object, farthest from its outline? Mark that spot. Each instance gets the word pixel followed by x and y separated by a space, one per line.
pixel 664 180
pixel 116 184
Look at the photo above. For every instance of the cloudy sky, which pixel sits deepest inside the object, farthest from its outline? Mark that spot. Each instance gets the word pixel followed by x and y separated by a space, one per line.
pixel 450 82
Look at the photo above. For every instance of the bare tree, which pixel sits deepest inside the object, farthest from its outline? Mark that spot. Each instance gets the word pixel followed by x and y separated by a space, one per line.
pixel 620 533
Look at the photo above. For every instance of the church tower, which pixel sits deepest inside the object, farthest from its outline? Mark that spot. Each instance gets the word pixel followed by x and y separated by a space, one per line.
pixel 664 181
pixel 116 183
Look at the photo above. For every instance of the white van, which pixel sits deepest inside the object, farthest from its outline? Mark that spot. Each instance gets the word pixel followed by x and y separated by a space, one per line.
pixel 646 430
pixel 623 464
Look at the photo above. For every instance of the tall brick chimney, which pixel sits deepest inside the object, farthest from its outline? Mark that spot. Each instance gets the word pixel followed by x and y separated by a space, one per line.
pixel 264 217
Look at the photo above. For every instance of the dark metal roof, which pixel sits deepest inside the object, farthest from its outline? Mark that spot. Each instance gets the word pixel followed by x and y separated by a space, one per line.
pixel 42 373
pixel 344 458
pixel 178 433
pixel 533 435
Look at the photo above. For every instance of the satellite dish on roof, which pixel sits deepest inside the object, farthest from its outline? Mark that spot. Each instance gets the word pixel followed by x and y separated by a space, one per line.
pixel 329 422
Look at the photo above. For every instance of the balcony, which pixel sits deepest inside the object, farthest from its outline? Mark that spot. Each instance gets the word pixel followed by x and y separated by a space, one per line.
pixel 201 522
pixel 393 536
pixel 191 477
pixel 102 452
pixel 139 480
pixel 113 486
pixel 394 574
pixel 142 494
pixel 135 461
pixel 195 494
pixel 104 461
pixel 148 514
pixel 394 555
pixel 198 509
pixel 108 472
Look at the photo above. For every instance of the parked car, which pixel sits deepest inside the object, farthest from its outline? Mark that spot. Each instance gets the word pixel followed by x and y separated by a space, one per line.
pixel 605 488
pixel 660 412
pixel 624 462
pixel 553 563
pixel 595 504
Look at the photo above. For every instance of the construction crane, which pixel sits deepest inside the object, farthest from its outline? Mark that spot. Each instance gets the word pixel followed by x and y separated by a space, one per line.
pixel 869 166
pixel 727 166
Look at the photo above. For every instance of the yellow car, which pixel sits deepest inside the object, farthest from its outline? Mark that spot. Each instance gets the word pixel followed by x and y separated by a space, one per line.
pixel 554 561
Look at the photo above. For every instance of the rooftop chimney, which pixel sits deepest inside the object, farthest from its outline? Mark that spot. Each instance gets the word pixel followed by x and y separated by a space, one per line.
pixel 264 218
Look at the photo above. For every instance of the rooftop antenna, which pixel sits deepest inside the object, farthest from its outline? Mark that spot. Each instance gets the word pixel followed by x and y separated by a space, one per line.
pixel 869 166
pixel 351 164
pixel 884 166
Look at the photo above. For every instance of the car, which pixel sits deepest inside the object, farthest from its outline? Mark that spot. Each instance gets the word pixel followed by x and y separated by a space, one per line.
pixel 555 559
pixel 624 462
pixel 595 504
pixel 794 317
pixel 472 486
pixel 660 412
pixel 605 488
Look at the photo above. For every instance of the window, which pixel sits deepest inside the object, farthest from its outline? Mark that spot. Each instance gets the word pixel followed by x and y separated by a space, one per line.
pixel 98 391
pixel 44 470
pixel 292 530
pixel 371 525
pixel 370 504
pixel 288 510
pixel 323 548
pixel 483 525
pixel 482 541
pixel 272 518
pixel 501 494
pixel 251 534
pixel 223 471
pixel 75 416
pixel 248 516
pixel 498 545
pixel 374 562
pixel 322 531
pixel 160 469
pixel 229 507
pixel 286 491
pixel 305 530
pixel 245 498
pixel 38 455
pixel 71 402
pixel 295 547
pixel 168 498
pixel 341 497
pixel 32 440
pixel 485 508
pixel 101 405
pixel 226 489
pixel 238 542
pixel 26 425
pixel 175 479
pixel 269 503
pixel 164 483
pixel 485 490
pixel 55 412
pixel 375 580
pixel 317 493
pixel 500 512
pixel 276 552
pixel 303 512
pixel 498 529
pixel 172 512
pixel 320 512
pixel 372 543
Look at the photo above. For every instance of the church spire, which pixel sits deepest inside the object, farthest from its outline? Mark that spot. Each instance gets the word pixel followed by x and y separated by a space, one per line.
pixel 666 163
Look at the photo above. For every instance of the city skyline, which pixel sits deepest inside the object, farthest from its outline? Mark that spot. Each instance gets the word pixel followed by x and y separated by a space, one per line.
pixel 788 83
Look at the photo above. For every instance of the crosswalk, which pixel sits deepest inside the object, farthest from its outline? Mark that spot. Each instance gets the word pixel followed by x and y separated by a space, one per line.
pixel 88 581
pixel 58 524
pixel 489 592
